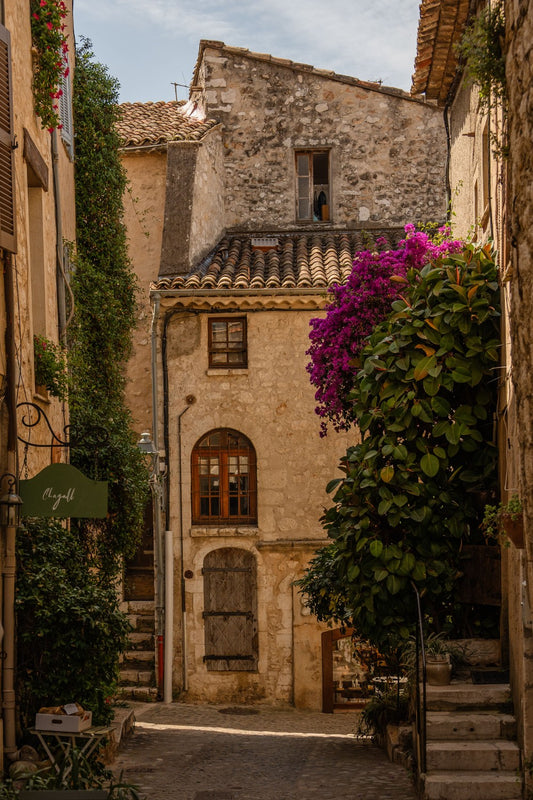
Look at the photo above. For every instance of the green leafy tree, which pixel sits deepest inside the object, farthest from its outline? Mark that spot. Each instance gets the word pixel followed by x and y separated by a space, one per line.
pixel 69 625
pixel 104 289
pixel 424 400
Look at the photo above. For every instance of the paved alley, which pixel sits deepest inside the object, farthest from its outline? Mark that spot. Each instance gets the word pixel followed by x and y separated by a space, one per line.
pixel 186 752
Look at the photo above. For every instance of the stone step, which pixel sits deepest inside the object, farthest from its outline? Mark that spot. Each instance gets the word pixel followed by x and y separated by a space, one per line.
pixel 141 640
pixel 138 607
pixel 146 694
pixel 135 658
pixel 471 786
pixel 470 726
pixel 498 754
pixel 136 677
pixel 469 696
pixel 142 623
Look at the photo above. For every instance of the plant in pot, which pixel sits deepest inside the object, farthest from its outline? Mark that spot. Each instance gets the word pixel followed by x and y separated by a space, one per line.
pixel 505 518
pixel 441 656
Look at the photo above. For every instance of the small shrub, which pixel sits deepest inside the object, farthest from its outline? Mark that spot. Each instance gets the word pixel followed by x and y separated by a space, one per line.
pixel 70 629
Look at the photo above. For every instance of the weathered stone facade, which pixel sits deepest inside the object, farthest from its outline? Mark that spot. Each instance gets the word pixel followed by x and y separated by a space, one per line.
pixel 491 198
pixel 230 247
pixel 519 69
pixel 37 216
pixel 43 211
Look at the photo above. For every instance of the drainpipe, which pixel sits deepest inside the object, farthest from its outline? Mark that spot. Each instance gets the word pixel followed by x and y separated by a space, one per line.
pixel 169 616
pixel 9 564
pixel 158 537
pixel 185 682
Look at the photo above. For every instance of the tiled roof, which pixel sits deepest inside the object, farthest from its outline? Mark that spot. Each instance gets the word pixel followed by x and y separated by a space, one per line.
pixel 440 29
pixel 157 123
pixel 310 260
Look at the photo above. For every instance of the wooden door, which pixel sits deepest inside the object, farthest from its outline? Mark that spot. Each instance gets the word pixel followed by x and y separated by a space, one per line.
pixel 139 570
pixel 230 610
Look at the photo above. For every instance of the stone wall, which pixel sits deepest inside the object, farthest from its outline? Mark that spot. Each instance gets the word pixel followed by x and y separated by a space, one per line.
pixel 387 150
pixel 144 209
pixel 35 265
pixel 272 403
pixel 519 20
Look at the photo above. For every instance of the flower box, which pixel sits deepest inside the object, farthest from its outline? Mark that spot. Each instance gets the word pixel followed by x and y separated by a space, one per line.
pixel 64 723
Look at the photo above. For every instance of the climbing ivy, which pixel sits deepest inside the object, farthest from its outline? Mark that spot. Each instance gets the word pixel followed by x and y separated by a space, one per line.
pixel 104 289
pixel 424 401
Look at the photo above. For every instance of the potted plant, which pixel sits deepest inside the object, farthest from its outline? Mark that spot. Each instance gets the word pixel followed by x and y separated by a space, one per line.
pixel 505 518
pixel 50 367
pixel 441 655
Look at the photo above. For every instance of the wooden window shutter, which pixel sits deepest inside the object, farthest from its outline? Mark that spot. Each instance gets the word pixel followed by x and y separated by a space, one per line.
pixel 230 610
pixel 65 109
pixel 7 160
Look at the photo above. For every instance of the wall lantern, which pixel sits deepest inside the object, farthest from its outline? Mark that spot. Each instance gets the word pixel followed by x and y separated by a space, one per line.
pixel 146 445
pixel 10 502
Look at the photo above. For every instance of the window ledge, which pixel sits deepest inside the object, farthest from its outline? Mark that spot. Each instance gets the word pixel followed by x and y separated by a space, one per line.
pixel 220 372
pixel 223 530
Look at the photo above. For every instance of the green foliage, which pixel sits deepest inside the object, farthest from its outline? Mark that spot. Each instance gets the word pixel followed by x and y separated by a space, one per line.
pixel 50 366
pixel 491 524
pixel 424 400
pixel 75 772
pixel 50 50
pixel 104 289
pixel 482 48
pixel 385 708
pixel 69 626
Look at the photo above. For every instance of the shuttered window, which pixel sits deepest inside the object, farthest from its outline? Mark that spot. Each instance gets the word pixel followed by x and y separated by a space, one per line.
pixel 7 164
pixel 224 479
pixel 312 186
pixel 230 610
pixel 65 109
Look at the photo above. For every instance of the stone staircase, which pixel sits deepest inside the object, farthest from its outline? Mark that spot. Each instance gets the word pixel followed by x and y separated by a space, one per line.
pixel 471 749
pixel 137 680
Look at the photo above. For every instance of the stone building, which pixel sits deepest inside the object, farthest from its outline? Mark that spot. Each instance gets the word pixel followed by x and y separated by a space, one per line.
pixel 491 199
pixel 245 204
pixel 36 216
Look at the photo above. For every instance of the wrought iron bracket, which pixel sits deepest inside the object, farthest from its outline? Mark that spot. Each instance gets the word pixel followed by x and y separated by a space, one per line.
pixel 29 422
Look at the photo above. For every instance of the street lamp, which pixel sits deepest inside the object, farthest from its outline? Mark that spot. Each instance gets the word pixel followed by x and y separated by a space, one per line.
pixel 10 502
pixel 146 445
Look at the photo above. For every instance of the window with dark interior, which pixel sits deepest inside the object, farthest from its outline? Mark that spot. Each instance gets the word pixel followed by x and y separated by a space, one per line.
pixel 313 185
pixel 224 481
pixel 227 342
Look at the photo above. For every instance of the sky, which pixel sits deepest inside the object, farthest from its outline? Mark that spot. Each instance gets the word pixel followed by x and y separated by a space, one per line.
pixel 149 45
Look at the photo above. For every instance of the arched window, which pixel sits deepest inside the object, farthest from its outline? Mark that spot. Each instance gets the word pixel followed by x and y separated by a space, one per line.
pixel 224 484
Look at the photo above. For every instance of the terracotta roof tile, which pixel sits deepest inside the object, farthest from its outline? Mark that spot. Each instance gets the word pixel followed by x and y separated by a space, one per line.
pixel 300 260
pixel 157 123
pixel 440 29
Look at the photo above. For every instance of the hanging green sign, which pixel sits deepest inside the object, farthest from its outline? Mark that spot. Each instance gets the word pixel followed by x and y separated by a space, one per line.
pixel 61 490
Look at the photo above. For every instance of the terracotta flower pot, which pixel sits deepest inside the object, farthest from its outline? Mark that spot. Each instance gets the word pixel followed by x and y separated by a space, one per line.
pixel 438 671
pixel 513 527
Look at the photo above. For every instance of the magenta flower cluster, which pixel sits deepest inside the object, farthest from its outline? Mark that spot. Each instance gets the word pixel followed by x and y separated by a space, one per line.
pixel 356 308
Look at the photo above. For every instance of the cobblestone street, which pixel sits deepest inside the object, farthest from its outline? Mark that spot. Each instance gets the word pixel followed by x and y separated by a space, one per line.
pixel 186 752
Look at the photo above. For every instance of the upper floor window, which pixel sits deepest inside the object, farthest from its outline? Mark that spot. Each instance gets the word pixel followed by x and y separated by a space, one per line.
pixel 313 185
pixel 65 109
pixel 224 480
pixel 227 343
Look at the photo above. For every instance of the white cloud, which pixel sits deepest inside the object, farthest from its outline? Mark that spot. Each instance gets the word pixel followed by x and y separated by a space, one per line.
pixel 368 40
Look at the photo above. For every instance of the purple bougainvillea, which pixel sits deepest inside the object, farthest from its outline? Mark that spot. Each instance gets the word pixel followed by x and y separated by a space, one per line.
pixel 355 309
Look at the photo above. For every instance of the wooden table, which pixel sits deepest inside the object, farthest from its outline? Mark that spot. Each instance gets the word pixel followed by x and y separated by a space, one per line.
pixel 86 741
